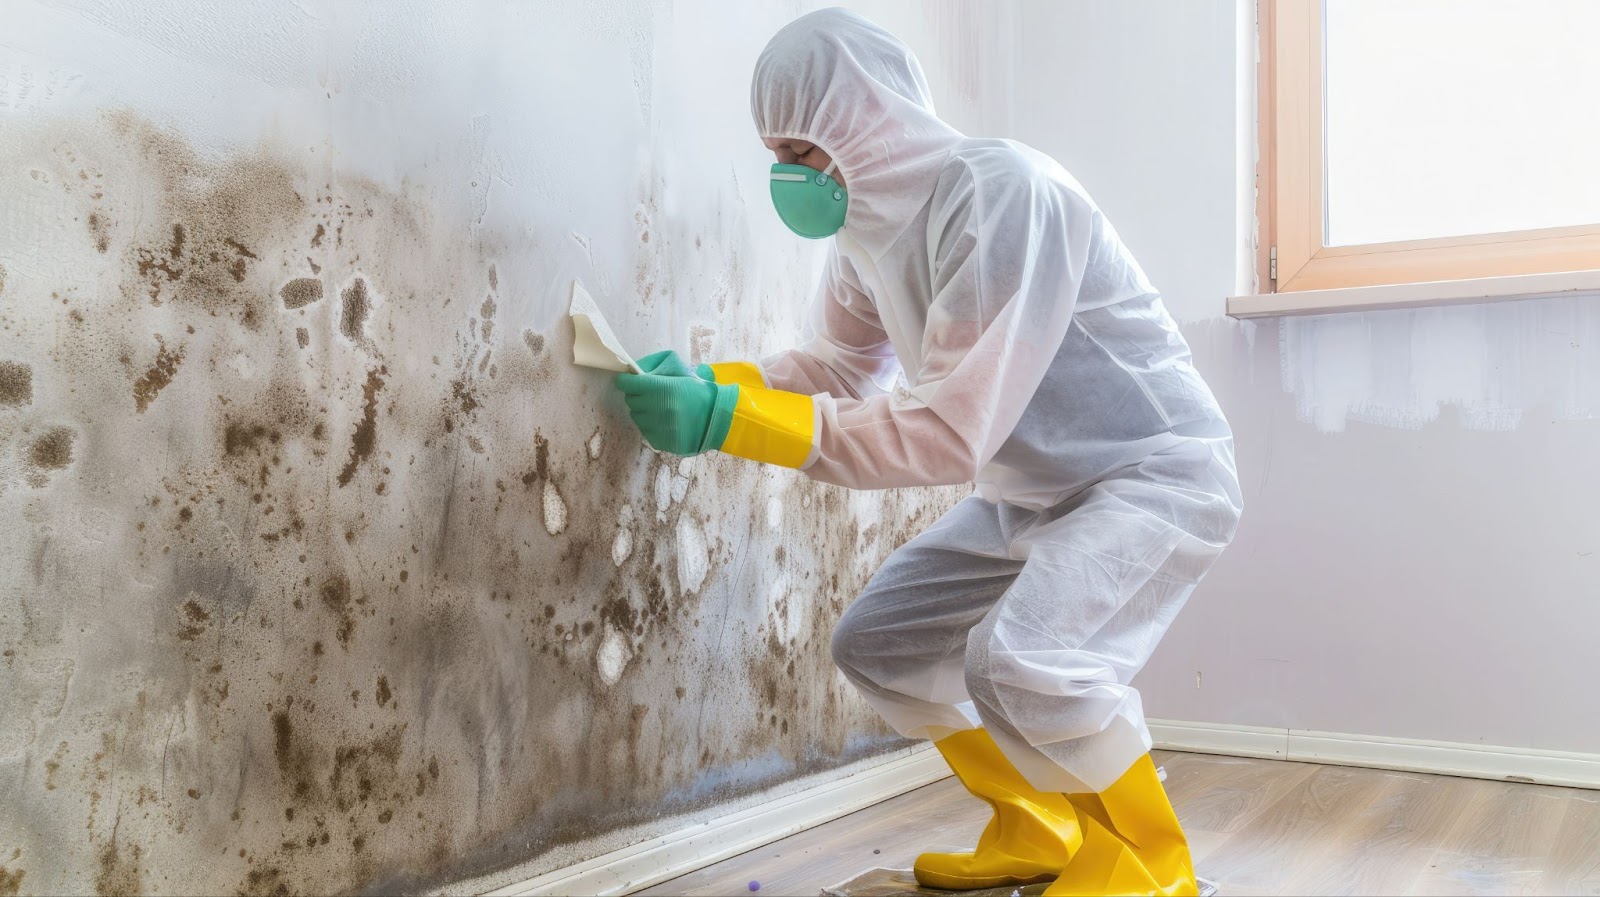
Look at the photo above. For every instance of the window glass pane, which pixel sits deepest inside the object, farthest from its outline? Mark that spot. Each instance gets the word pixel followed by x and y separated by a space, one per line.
pixel 1451 117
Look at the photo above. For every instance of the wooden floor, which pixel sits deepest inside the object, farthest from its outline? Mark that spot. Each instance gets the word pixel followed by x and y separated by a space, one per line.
pixel 1255 827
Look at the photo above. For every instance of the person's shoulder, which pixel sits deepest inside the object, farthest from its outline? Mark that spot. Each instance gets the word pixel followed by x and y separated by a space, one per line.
pixel 992 170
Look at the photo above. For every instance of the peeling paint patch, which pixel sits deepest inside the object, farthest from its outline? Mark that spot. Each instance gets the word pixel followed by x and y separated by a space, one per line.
pixel 613 656
pixel 555 510
pixel 694 559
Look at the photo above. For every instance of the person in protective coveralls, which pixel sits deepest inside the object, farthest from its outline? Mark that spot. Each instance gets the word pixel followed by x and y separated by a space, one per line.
pixel 979 321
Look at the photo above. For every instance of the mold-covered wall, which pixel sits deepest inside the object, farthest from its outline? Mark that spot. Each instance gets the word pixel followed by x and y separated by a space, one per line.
pixel 323 570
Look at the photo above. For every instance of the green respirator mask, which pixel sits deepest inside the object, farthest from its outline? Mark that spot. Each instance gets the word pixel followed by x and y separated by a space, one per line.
pixel 809 201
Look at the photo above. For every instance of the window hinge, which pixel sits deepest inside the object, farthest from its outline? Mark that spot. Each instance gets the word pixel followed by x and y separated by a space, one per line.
pixel 1272 265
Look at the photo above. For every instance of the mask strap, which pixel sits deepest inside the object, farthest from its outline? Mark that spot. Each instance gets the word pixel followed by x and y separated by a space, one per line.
pixel 832 164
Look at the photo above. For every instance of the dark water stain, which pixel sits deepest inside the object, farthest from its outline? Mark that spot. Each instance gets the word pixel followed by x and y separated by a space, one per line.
pixel 356 303
pixel 300 292
pixel 365 437
pixel 160 374
pixel 16 383
pixel 52 450
pixel 117 871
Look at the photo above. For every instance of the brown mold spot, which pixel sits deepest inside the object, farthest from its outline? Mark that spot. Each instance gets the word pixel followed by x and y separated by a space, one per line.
pixel 16 383
pixel 11 882
pixel 355 304
pixel 300 292
pixel 535 341
pixel 147 387
pixel 52 450
pixel 316 238
pixel 239 438
pixel 367 770
pixel 365 437
pixel 193 618
pixel 383 691
pixel 117 871
pixel 265 882
pixel 100 230
pixel 302 336
pixel 335 594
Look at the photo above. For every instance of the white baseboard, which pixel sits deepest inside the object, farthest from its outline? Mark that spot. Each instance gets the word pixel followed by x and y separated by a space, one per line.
pixel 1475 761
pixel 669 856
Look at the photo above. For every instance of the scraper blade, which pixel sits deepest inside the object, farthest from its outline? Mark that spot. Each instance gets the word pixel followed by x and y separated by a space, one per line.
pixel 593 343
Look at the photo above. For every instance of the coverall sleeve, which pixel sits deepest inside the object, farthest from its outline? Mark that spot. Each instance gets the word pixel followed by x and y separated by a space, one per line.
pixel 847 355
pixel 1008 261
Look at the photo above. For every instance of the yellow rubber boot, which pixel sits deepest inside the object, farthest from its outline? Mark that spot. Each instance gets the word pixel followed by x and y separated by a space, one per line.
pixel 1132 843
pixel 1030 837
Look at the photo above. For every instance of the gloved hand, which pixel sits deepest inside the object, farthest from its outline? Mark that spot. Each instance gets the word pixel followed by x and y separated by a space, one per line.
pixel 667 363
pixel 676 410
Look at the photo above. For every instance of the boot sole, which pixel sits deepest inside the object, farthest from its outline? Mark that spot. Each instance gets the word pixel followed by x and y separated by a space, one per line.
pixel 961 883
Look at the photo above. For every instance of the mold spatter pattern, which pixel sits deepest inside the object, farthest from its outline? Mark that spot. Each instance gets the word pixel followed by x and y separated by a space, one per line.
pixel 324 574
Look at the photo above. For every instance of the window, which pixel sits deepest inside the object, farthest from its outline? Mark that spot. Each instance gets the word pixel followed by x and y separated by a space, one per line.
pixel 1410 141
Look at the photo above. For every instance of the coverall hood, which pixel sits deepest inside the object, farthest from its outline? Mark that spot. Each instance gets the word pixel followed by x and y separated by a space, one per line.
pixel 837 80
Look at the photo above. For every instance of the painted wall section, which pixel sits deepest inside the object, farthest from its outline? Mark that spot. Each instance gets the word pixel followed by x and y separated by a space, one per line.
pixel 1420 550
pixel 322 569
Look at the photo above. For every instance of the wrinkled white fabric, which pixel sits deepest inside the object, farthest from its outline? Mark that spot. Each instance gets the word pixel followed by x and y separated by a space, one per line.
pixel 980 321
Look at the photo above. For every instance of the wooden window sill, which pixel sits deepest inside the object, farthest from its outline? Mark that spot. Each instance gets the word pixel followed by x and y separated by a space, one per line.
pixel 1415 295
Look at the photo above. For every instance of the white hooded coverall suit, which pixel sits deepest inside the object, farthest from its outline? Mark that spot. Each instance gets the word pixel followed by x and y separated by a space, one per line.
pixel 979 321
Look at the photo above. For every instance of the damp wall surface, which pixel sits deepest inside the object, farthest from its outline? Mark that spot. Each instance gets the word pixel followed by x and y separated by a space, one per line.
pixel 323 570
pixel 1420 551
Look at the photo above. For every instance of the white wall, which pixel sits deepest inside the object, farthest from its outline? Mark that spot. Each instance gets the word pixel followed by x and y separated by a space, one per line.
pixel 1420 551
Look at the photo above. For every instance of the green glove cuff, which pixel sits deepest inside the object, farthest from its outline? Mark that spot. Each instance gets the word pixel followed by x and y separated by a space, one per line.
pixel 721 417
pixel 704 372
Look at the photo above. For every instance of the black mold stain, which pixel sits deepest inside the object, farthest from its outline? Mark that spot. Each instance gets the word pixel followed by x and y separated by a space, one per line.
pixel 356 304
pixel 365 437
pixel 148 386
pixel 16 383
pixel 300 292
pixel 52 450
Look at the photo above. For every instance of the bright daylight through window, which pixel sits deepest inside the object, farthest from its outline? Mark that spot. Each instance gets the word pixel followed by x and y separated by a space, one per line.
pixel 1452 117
